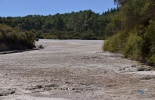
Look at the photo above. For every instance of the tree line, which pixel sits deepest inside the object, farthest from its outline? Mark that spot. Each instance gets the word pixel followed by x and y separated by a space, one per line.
pixel 75 25
pixel 135 34
pixel 21 32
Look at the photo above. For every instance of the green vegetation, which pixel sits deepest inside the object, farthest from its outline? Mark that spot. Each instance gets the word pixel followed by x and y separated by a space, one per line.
pixel 13 39
pixel 21 32
pixel 75 25
pixel 135 34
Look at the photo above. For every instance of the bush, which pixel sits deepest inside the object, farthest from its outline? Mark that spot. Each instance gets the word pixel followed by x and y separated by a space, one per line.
pixel 151 60
pixel 137 26
pixel 12 39
pixel 136 44
pixel 133 47
pixel 3 47
pixel 115 43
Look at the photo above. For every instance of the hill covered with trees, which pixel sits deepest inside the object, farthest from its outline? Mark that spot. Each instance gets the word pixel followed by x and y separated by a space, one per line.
pixel 75 25
pixel 135 36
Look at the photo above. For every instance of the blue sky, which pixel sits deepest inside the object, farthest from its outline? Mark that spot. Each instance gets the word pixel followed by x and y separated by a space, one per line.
pixel 46 7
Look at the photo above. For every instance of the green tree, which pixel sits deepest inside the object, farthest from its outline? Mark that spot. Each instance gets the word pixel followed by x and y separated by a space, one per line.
pixel 138 22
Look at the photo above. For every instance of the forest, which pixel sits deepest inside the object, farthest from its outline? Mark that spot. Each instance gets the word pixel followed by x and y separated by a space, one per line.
pixel 22 32
pixel 75 25
pixel 135 36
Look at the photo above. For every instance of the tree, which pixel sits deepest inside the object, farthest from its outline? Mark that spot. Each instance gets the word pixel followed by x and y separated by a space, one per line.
pixel 138 22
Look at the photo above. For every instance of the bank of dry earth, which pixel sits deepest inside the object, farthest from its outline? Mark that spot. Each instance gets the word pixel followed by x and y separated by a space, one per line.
pixel 73 70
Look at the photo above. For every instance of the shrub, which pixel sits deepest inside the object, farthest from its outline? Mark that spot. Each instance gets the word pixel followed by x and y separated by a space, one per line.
pixel 133 47
pixel 3 47
pixel 115 43
pixel 12 39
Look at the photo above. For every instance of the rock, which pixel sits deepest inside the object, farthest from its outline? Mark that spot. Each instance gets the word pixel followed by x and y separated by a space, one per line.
pixel 41 47
pixel 133 66
pixel 6 91
pixel 142 69
pixel 52 85
pixel 148 78
pixel 38 87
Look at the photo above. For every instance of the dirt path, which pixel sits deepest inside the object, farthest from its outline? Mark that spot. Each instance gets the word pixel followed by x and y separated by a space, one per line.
pixel 73 70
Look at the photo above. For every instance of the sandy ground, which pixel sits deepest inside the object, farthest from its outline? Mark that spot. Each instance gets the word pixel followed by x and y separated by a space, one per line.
pixel 73 70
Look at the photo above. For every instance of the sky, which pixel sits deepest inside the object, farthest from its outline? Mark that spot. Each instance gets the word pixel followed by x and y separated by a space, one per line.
pixel 46 7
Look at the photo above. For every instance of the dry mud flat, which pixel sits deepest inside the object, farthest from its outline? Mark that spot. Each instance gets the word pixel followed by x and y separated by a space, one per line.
pixel 73 70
